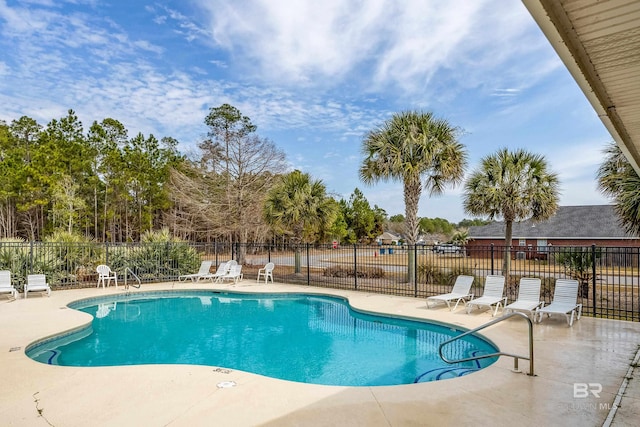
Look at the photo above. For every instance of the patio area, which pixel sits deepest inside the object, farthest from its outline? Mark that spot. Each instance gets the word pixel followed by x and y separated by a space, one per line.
pixel 592 353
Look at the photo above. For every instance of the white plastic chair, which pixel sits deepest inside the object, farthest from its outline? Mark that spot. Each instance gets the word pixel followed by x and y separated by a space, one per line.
pixel 565 301
pixel 5 283
pixel 460 292
pixel 105 274
pixel 528 297
pixel 493 294
pixel 266 272
pixel 36 282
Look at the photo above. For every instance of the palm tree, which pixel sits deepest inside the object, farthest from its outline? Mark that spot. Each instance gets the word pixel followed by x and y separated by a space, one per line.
pixel 410 147
pixel 299 207
pixel 460 237
pixel 618 179
pixel 515 186
pixel 419 150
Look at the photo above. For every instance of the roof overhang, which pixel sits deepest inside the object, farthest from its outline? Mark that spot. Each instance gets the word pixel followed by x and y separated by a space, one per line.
pixel 599 42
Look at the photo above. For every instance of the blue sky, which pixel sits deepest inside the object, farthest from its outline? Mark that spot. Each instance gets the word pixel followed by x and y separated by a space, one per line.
pixel 313 76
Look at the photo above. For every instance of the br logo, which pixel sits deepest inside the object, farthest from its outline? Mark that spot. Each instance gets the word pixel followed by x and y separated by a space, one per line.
pixel 582 390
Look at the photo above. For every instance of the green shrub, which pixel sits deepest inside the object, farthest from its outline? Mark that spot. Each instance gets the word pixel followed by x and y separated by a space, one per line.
pixel 428 273
pixel 159 256
pixel 434 275
pixel 362 272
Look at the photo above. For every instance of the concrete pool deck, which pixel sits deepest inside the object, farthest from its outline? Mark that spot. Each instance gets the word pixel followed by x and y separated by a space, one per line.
pixel 593 351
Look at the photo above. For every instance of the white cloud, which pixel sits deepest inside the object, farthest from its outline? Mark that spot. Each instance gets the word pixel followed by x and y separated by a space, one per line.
pixel 297 40
pixel 185 26
pixel 218 63
pixel 385 44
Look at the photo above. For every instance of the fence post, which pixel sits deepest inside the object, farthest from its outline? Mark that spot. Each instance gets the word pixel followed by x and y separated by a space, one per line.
pixel 30 258
pixel 215 251
pixel 415 270
pixel 269 252
pixel 106 252
pixel 308 267
pixel 492 259
pixel 355 267
pixel 593 274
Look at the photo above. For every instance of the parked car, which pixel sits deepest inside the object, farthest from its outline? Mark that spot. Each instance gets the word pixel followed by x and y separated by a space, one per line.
pixel 447 248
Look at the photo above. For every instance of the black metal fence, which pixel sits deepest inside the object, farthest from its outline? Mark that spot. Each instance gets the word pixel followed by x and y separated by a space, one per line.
pixel 609 276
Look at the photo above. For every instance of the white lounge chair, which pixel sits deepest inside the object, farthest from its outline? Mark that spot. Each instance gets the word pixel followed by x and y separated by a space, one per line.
pixel 565 301
pixel 203 273
pixel 493 294
pixel 105 274
pixel 36 282
pixel 5 284
pixel 234 274
pixel 528 297
pixel 461 291
pixel 223 270
pixel 266 272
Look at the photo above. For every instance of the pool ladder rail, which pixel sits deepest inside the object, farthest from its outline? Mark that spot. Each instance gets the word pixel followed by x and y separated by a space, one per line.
pixel 126 273
pixel 500 353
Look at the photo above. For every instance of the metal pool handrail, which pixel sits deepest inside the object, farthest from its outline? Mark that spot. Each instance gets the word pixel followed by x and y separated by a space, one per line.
pixel 500 353
pixel 126 271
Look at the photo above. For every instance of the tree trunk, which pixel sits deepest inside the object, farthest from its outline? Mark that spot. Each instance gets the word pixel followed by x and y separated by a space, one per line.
pixel 584 288
pixel 297 262
pixel 506 261
pixel 412 191
pixel 242 246
pixel 95 212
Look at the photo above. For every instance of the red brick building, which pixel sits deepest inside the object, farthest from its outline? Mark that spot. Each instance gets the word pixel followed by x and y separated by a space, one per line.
pixel 570 226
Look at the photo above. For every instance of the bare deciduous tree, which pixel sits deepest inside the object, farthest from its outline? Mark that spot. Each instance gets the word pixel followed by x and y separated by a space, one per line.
pixel 221 193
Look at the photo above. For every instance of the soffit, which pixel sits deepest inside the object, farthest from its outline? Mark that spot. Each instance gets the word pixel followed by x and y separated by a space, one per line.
pixel 599 42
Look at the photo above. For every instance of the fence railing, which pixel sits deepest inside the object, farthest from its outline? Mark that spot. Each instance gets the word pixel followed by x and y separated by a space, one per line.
pixel 609 276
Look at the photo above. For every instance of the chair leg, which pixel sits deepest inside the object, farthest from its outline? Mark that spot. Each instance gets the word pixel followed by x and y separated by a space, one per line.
pixel 571 321
pixel 496 310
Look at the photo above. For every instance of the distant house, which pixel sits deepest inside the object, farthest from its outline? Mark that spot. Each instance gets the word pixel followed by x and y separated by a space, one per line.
pixel 570 226
pixel 387 238
pixel 431 238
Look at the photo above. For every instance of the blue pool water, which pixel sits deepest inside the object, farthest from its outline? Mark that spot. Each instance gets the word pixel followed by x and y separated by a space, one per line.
pixel 302 338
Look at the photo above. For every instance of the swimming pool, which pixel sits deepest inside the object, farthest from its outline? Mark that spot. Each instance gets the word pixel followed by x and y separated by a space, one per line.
pixel 296 337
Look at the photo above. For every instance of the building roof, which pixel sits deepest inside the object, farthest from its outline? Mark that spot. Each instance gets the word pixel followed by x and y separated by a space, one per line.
pixel 570 222
pixel 388 236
